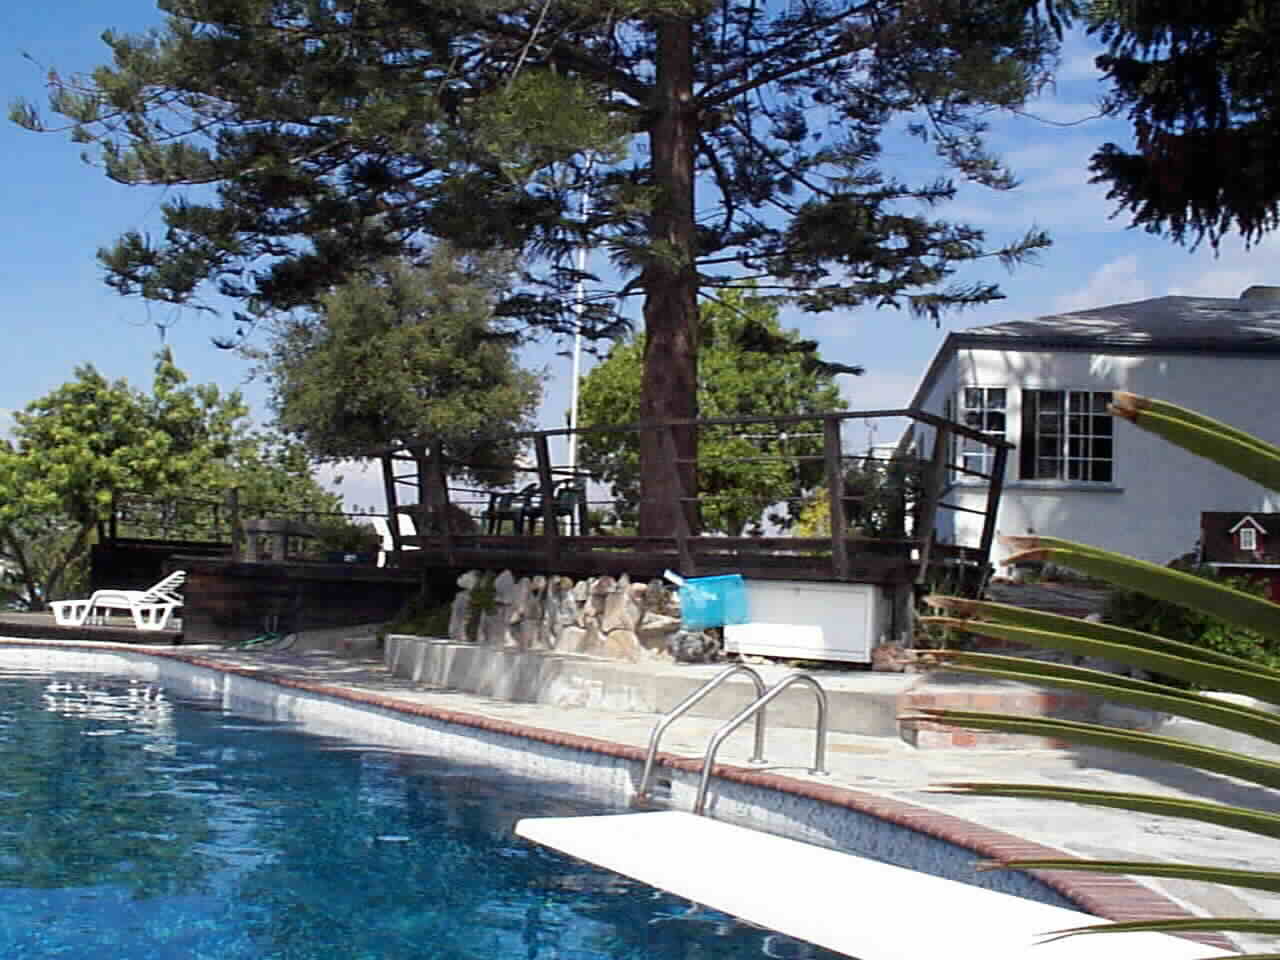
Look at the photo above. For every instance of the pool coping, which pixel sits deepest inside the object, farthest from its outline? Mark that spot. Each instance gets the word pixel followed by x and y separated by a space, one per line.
pixel 1113 897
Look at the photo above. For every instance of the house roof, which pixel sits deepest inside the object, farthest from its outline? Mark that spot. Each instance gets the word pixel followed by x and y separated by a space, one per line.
pixel 1251 521
pixel 1163 323
pixel 1247 324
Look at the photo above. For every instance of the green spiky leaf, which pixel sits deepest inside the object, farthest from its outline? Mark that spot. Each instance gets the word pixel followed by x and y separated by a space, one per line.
pixel 1239 818
pixel 1142 693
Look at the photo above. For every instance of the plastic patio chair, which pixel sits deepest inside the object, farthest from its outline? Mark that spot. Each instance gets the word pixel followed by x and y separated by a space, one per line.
pixel 530 509
pixel 502 508
pixel 566 500
pixel 571 498
pixel 151 608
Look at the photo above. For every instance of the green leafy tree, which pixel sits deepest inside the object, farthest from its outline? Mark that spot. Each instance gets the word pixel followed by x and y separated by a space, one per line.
pixel 1200 84
pixel 718 142
pixel 35 553
pixel 749 366
pixel 408 355
pixel 877 497
pixel 92 443
pixel 76 449
pixel 270 473
pixel 1193 665
pixel 42 557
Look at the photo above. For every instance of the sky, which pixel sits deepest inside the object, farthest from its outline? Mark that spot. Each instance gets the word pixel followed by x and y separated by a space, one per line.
pixel 56 211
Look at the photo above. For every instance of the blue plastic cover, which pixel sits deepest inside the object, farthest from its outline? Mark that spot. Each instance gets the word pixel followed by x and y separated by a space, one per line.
pixel 713 601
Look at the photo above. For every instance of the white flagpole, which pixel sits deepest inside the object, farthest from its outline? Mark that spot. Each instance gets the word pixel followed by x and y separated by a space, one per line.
pixel 578 306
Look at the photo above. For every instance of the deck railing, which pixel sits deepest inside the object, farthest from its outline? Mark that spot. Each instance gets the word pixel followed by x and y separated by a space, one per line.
pixel 882 502
pixel 879 524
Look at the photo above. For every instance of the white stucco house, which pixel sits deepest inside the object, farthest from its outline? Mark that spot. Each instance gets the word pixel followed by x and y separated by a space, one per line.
pixel 1043 385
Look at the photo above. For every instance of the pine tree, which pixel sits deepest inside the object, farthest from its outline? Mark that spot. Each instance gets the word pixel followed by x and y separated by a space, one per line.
pixel 719 142
pixel 749 366
pixel 1200 83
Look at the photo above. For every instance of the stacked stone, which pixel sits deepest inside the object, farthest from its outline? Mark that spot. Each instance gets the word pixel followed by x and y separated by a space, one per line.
pixel 601 616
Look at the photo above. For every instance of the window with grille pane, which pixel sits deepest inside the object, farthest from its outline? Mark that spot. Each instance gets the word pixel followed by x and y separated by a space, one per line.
pixel 1248 539
pixel 981 409
pixel 1066 435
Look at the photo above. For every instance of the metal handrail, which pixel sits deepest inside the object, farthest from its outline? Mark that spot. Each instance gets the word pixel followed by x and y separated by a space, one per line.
pixel 755 708
pixel 685 705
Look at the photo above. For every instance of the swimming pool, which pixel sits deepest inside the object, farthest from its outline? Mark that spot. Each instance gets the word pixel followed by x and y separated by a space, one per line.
pixel 134 823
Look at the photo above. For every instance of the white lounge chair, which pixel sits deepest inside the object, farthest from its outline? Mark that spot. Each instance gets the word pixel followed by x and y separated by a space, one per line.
pixel 383 527
pixel 151 609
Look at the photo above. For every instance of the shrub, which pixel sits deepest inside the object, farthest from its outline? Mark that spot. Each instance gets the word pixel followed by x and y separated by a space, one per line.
pixel 424 615
pixel 340 535
pixel 1138 611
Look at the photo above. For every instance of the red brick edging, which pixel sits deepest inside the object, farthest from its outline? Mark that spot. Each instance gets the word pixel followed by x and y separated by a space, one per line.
pixel 928 734
pixel 1117 898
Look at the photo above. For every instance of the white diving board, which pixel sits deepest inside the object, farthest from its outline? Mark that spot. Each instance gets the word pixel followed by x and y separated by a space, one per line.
pixel 855 906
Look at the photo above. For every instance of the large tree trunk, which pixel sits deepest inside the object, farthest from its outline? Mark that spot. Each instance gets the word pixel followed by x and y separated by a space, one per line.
pixel 668 388
pixel 433 488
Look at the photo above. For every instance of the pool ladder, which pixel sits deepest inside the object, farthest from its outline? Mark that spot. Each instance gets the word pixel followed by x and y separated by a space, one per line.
pixel 754 709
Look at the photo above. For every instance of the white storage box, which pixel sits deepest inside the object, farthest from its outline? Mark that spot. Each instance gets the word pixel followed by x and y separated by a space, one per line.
pixel 810 621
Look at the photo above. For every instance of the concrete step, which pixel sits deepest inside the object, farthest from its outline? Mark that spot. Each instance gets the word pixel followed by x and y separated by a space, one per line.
pixel 859 701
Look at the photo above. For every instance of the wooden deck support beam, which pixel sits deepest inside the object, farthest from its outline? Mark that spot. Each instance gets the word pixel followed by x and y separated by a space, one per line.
pixel 833 456
pixel 995 487
pixel 932 494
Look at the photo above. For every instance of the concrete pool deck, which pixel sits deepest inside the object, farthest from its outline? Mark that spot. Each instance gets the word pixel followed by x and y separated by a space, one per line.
pixel 879 774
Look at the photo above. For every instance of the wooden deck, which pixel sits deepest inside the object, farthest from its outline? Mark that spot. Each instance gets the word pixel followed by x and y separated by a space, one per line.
pixel 911 479
pixel 769 558
pixel 41 626
pixel 848 556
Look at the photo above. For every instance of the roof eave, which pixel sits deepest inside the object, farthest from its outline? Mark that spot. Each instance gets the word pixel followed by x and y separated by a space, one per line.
pixel 1197 345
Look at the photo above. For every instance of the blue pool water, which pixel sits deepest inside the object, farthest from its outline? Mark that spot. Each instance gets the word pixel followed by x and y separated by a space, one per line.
pixel 132 825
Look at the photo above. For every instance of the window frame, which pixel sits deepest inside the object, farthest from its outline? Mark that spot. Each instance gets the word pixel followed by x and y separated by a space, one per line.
pixel 1085 437
pixel 965 451
pixel 1251 535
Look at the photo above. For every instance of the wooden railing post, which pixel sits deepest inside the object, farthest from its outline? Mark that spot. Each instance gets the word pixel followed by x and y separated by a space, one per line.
pixel 833 457
pixel 995 487
pixel 550 534
pixel 235 523
pixel 389 488
pixel 932 494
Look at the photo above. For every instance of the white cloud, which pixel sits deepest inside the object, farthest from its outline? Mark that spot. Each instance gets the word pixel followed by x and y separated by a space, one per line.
pixel 1233 269
pixel 1117 281
pixel 1035 158
pixel 1056 195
